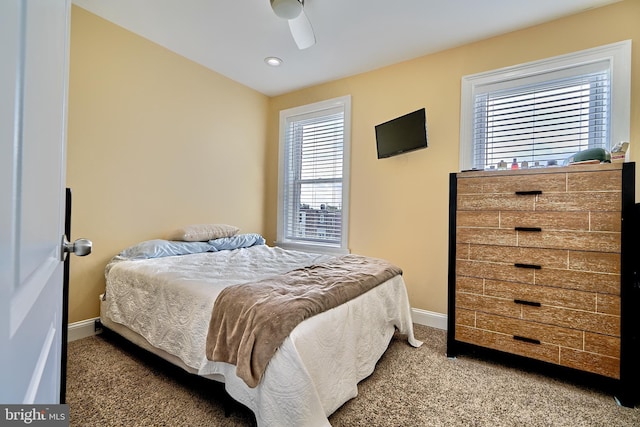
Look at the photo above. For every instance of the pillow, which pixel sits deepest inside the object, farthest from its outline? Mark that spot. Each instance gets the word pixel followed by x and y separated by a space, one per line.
pixel 203 232
pixel 237 241
pixel 160 248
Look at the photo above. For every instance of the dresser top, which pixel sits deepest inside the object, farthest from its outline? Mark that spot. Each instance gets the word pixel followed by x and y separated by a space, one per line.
pixel 551 169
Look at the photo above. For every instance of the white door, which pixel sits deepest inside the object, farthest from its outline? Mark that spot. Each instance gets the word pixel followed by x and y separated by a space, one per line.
pixel 34 39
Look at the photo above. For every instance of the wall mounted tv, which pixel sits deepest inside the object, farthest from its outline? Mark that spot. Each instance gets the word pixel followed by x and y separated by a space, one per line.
pixel 402 134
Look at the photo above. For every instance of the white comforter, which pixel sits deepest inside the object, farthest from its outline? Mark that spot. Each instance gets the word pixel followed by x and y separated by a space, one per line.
pixel 168 301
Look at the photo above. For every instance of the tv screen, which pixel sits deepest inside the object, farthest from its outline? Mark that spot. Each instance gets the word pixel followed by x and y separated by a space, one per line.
pixel 402 134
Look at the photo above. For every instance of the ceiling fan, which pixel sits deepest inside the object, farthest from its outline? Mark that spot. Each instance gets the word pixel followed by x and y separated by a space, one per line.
pixel 299 24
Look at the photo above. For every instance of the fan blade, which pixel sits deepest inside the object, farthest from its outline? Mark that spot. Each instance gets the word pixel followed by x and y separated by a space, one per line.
pixel 302 31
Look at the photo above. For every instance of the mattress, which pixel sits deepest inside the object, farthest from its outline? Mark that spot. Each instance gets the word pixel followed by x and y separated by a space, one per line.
pixel 164 304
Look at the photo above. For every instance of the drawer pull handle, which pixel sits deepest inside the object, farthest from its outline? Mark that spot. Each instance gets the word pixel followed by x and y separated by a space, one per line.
pixel 525 339
pixel 528 193
pixel 528 228
pixel 531 303
pixel 533 266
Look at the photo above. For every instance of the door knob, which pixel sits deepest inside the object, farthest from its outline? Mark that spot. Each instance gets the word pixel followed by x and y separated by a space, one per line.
pixel 81 247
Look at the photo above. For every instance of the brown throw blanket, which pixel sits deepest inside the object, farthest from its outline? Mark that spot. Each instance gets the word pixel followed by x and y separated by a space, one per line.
pixel 250 321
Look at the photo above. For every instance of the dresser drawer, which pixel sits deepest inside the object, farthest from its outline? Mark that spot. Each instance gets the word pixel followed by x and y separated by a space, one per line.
pixel 545 258
pixel 586 351
pixel 583 201
pixel 570 240
pixel 601 262
pixel 553 182
pixel 589 301
pixel 589 321
pixel 567 279
pixel 545 352
pixel 565 221
pixel 543 295
pixel 598 191
pixel 529 181
pixel 531 332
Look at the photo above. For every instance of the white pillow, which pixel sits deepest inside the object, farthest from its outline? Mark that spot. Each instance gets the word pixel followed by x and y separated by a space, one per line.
pixel 203 232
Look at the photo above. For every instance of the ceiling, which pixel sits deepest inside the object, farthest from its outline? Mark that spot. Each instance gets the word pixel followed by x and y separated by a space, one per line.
pixel 233 37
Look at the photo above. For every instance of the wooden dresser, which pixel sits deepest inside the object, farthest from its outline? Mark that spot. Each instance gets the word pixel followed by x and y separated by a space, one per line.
pixel 543 265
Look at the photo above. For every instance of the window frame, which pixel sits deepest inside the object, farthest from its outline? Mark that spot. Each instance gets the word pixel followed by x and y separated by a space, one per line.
pixel 618 55
pixel 343 102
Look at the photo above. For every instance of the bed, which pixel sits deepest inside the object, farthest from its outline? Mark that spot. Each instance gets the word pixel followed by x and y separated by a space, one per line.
pixel 160 295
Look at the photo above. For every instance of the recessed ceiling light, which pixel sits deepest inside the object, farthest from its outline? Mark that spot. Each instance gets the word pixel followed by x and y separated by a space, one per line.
pixel 273 61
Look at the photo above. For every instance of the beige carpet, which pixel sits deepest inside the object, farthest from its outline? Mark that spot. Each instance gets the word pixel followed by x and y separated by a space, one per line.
pixel 111 383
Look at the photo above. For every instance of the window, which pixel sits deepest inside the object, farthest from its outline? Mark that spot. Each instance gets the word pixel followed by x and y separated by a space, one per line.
pixel 314 176
pixel 547 110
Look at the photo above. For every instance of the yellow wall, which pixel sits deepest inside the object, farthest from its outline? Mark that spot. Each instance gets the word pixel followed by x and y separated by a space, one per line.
pixel 399 206
pixel 155 142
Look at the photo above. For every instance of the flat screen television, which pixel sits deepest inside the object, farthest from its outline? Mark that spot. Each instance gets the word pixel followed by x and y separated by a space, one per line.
pixel 402 134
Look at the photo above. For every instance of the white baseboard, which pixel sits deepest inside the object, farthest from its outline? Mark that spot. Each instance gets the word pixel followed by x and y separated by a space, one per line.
pixel 429 318
pixel 82 329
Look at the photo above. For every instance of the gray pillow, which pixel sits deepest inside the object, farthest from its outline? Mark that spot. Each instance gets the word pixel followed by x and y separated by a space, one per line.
pixel 203 232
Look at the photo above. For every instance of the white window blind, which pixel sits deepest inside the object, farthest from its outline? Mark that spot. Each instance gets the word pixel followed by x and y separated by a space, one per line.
pixel 313 177
pixel 547 110
pixel 539 122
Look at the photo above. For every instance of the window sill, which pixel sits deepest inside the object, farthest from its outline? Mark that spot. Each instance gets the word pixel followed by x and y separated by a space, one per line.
pixel 315 248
